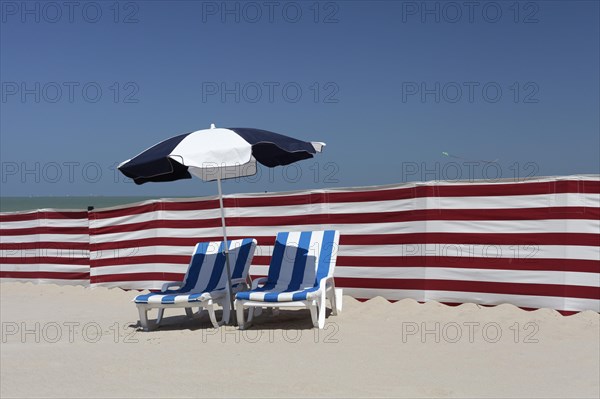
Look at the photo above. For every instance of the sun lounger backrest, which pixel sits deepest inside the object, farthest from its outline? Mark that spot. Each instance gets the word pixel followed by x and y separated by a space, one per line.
pixel 301 259
pixel 206 272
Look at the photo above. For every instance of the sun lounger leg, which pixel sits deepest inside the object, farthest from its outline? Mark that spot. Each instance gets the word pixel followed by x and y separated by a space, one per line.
pixel 189 312
pixel 143 311
pixel 313 313
pixel 339 295
pixel 335 296
pixel 239 308
pixel 226 313
pixel 322 311
pixel 161 313
pixel 211 313
pixel 333 299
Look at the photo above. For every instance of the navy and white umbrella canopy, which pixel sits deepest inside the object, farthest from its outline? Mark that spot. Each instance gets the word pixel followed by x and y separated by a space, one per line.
pixel 217 154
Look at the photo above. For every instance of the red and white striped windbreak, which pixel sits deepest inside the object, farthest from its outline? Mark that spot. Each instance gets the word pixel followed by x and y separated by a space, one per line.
pixel 533 243
pixel 46 246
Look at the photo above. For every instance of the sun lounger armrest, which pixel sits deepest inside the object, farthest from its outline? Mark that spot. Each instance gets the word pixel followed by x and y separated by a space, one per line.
pixel 326 281
pixel 258 282
pixel 171 284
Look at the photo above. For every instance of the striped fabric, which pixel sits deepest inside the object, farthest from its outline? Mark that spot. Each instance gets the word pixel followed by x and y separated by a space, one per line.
pixel 300 260
pixel 45 246
pixel 207 272
pixel 532 243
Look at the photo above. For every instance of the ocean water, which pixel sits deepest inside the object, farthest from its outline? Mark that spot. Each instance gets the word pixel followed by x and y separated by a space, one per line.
pixel 13 204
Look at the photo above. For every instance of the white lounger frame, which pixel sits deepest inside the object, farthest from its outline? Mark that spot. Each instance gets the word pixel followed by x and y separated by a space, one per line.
pixel 317 306
pixel 207 300
pixel 315 300
pixel 219 298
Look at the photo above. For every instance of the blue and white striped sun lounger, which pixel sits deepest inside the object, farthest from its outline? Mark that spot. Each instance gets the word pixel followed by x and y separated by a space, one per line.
pixel 205 282
pixel 300 275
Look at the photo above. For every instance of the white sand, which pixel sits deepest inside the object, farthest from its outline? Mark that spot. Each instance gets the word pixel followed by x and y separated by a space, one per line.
pixel 373 349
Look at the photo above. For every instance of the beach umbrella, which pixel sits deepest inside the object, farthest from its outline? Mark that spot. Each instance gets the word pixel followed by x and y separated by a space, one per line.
pixel 217 154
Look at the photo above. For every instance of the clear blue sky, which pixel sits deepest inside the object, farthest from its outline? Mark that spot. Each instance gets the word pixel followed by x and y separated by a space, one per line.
pixel 389 86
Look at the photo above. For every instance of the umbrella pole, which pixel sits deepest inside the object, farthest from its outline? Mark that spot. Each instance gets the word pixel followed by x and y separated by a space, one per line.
pixel 232 315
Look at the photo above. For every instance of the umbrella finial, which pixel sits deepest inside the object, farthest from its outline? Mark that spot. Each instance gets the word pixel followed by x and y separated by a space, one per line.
pixel 212 126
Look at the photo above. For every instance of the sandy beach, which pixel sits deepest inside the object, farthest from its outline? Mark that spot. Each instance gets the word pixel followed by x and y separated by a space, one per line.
pixel 65 341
